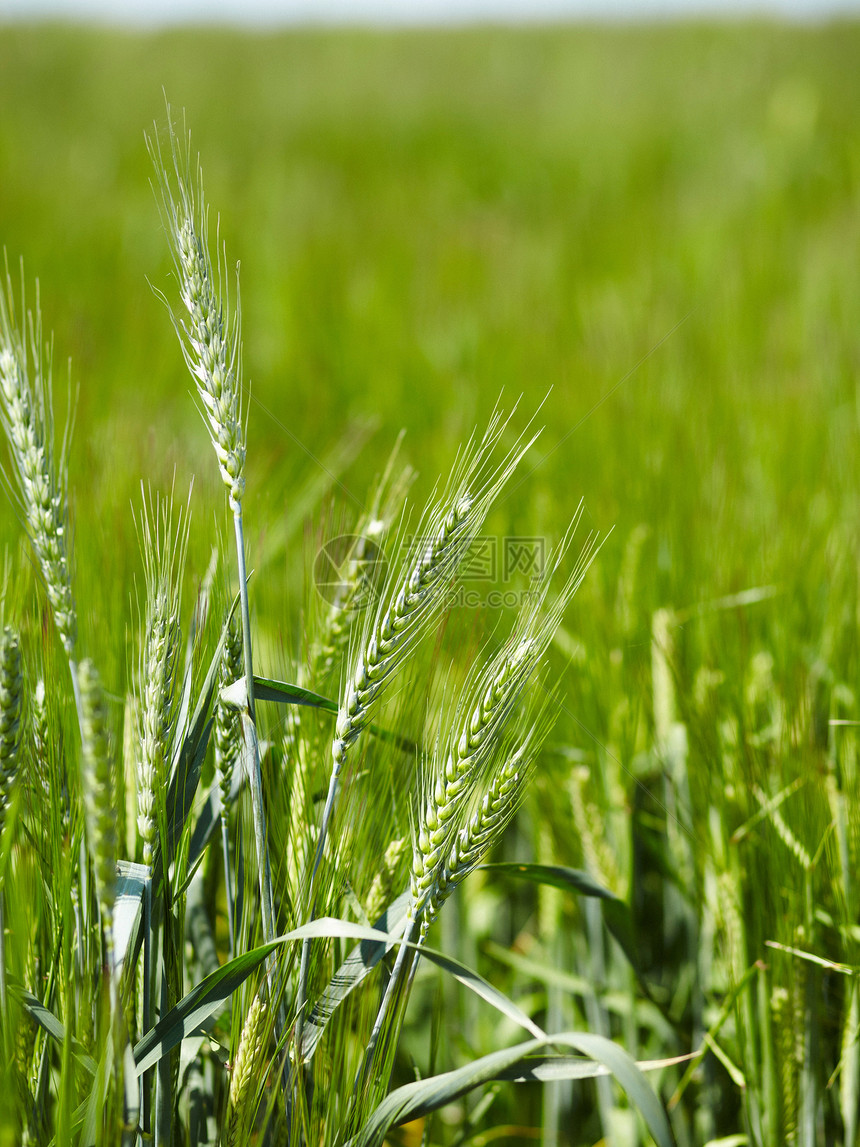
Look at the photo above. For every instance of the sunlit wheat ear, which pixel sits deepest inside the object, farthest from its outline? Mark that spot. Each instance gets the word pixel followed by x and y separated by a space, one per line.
pixel 411 600
pixel 385 881
pixel 39 719
pixel 484 827
pixel 415 596
pixel 211 344
pixel 480 728
pixel 461 762
pixel 11 689
pixel 98 794
pixel 39 737
pixel 163 538
pixel 228 732
pixel 468 767
pixel 228 735
pixel 209 335
pixel 252 1045
pixel 361 569
pixel 38 477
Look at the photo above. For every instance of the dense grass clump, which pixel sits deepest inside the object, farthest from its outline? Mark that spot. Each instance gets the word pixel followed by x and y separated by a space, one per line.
pixel 236 736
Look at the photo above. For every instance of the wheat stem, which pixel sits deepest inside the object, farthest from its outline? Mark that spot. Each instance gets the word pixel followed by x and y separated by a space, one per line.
pixel 404 953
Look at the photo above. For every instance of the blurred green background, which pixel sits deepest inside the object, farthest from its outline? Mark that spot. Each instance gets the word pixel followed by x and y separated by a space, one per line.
pixel 660 224
pixel 658 227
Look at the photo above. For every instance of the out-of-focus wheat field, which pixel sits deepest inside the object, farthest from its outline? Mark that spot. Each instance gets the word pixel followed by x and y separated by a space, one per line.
pixel 654 231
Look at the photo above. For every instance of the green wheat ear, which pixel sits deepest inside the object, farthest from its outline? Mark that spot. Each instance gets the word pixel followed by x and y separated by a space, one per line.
pixel 228 740
pixel 209 336
pixel 246 1070
pixel 467 762
pixel 11 690
pixel 227 731
pixel 98 793
pixel 211 344
pixel 484 828
pixel 38 477
pixel 163 538
pixel 414 596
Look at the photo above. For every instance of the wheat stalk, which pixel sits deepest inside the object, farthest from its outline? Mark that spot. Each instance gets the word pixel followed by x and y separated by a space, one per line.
pixel 211 344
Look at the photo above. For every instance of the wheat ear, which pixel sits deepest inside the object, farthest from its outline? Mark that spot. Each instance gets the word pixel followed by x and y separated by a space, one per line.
pixel 415 597
pixel 356 590
pixel 97 787
pixel 385 880
pixel 470 746
pixel 445 841
pixel 163 547
pixel 468 755
pixel 227 741
pixel 11 689
pixel 208 335
pixel 38 476
pixel 410 602
pixel 483 829
pixel 39 734
pixel 252 1044
pixel 211 345
pixel 473 746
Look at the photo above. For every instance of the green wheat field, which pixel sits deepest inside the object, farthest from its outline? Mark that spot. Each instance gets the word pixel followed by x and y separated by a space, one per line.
pixel 511 794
